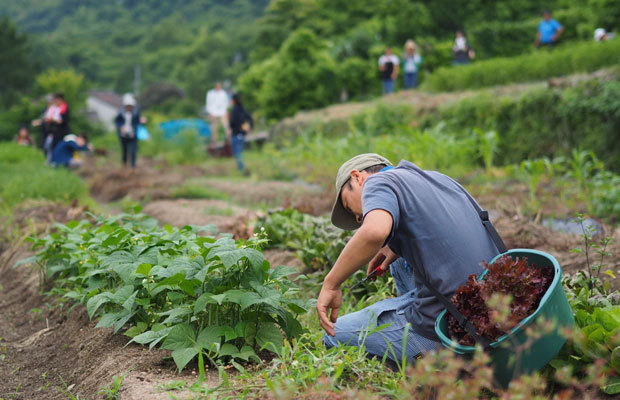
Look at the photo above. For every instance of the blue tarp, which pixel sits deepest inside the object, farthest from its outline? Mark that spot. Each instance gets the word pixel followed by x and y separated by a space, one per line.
pixel 174 127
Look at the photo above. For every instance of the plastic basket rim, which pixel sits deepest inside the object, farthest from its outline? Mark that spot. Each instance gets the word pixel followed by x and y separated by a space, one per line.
pixel 462 349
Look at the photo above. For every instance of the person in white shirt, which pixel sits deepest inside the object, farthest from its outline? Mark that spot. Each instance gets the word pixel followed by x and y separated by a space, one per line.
pixel 217 106
pixel 388 65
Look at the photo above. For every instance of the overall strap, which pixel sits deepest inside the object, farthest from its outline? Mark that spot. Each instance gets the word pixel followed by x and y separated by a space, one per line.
pixel 461 319
pixel 484 216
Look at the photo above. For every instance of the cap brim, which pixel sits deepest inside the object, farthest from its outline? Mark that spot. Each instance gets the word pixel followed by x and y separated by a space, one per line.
pixel 342 218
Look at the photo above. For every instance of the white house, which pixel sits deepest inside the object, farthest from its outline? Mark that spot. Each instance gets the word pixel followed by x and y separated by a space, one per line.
pixel 103 105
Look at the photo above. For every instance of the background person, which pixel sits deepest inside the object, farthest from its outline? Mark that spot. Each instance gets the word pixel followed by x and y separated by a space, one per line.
pixel 388 65
pixel 601 35
pixel 549 31
pixel 240 124
pixel 64 152
pixel 49 102
pixel 217 107
pixel 424 217
pixel 461 50
pixel 23 138
pixel 57 118
pixel 411 63
pixel 127 121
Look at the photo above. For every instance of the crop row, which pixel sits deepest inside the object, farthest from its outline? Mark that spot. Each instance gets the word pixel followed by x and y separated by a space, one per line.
pixel 199 296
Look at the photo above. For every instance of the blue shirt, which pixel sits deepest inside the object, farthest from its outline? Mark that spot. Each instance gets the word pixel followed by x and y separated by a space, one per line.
pixel 547 29
pixel 63 152
pixel 436 229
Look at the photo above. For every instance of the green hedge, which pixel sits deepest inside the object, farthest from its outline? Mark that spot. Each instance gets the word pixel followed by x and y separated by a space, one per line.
pixel 544 122
pixel 565 60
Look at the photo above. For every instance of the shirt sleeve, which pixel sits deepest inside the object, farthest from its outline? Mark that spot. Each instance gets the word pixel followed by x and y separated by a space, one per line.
pixel 556 25
pixel 377 194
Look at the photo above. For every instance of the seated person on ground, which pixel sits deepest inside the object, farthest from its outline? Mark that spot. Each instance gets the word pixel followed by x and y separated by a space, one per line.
pixel 426 228
pixel 64 152
pixel 24 138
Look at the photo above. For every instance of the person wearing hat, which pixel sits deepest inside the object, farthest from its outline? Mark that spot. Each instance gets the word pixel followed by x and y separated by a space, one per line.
pixel 127 121
pixel 424 217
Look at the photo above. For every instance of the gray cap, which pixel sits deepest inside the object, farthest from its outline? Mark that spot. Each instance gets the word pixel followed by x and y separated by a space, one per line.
pixel 340 216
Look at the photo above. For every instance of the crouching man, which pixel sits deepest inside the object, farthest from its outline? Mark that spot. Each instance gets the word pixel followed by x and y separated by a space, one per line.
pixel 64 154
pixel 425 218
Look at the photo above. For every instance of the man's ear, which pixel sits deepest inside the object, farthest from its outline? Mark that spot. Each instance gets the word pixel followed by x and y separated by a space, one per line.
pixel 355 175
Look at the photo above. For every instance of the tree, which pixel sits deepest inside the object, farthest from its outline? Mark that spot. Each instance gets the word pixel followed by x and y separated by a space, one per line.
pixel 302 75
pixel 68 82
pixel 16 67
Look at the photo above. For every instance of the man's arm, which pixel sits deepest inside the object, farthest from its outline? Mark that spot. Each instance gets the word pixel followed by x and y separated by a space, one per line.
pixel 362 247
pixel 537 41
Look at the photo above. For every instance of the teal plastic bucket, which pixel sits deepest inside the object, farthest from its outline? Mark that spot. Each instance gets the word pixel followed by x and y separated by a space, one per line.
pixel 510 355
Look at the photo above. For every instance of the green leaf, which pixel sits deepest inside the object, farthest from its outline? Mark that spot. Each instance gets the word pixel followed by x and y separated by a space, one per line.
pixel 171 282
pixel 237 366
pixel 97 301
pixel 249 333
pixel 202 301
pixel 176 314
pixel 153 337
pixel 228 350
pixel 219 298
pixel 135 330
pixel 144 269
pixel 612 386
pixel 606 320
pixel 270 336
pixel 181 336
pixel 210 337
pixel 282 271
pixel 615 359
pixel 115 320
pixel 183 356
pixel 244 298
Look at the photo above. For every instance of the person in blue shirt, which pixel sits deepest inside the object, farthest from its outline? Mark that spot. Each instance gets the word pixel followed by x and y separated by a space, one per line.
pixel 425 228
pixel 549 31
pixel 63 154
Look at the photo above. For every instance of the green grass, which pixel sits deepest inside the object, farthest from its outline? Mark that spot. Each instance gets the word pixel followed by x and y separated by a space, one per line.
pixel 568 59
pixel 195 191
pixel 24 176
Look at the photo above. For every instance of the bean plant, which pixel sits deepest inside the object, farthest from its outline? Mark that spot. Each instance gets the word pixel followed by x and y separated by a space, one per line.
pixel 201 296
pixel 315 240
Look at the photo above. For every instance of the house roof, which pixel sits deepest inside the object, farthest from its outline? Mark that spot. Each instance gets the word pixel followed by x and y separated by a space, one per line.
pixel 107 96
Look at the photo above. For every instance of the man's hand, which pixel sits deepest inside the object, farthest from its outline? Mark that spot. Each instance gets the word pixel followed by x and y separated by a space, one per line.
pixel 384 258
pixel 328 299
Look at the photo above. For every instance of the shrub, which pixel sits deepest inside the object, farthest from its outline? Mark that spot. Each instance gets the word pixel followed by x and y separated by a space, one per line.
pixel 568 59
pixel 302 75
pixel 543 122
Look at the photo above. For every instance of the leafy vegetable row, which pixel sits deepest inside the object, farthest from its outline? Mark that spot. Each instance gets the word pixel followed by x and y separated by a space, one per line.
pixel 199 296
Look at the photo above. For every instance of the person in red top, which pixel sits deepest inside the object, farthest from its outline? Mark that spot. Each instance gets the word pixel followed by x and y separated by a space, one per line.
pixel 58 120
